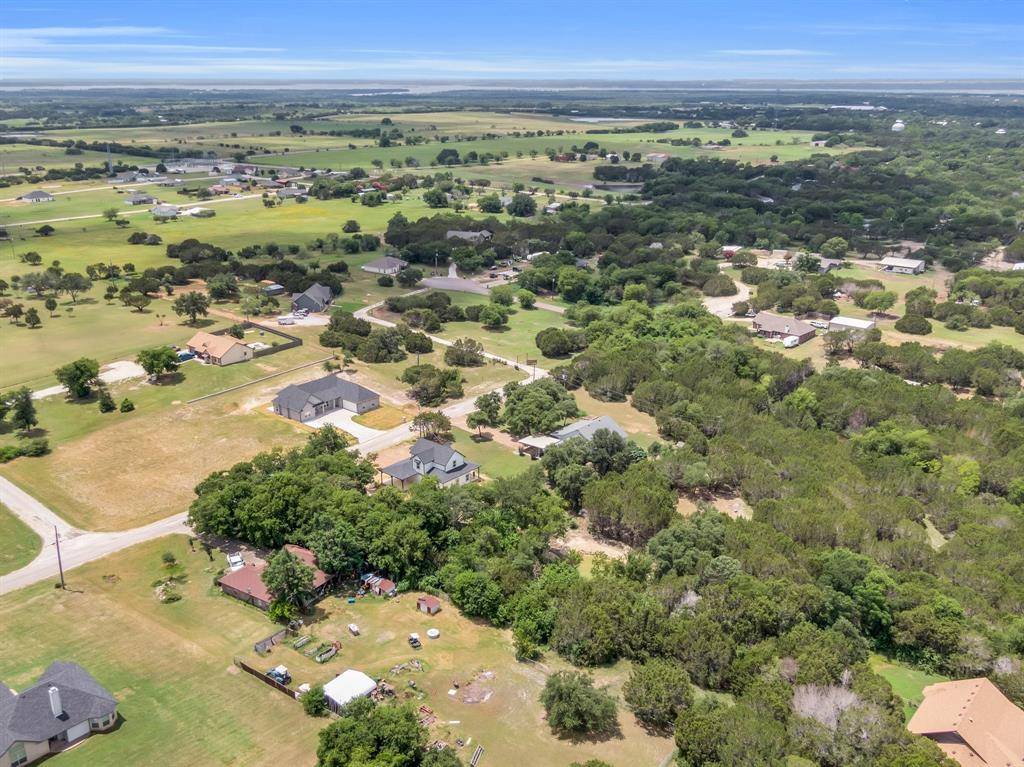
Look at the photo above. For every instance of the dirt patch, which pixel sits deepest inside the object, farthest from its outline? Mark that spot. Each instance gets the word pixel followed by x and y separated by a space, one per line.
pixel 584 542
pixel 730 505
pixel 478 690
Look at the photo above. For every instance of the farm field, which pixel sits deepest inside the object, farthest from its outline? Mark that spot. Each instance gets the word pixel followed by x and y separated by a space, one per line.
pixel 100 461
pixel 458 121
pixel 20 543
pixel 30 156
pixel 181 700
pixel 425 154
pixel 508 724
pixel 238 222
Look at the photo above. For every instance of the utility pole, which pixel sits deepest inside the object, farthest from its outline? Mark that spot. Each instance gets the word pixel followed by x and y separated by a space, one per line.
pixel 60 565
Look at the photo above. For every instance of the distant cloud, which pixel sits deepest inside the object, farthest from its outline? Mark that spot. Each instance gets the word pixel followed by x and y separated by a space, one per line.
pixel 65 32
pixel 772 52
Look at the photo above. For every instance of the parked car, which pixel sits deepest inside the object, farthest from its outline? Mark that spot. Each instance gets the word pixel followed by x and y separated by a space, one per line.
pixel 414 641
pixel 235 562
pixel 285 320
pixel 818 324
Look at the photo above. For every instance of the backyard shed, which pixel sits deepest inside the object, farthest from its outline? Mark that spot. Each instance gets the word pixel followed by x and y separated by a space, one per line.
pixel 346 687
pixel 429 605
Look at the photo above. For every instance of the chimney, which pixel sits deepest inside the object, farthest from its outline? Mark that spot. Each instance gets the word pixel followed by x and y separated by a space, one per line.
pixel 55 704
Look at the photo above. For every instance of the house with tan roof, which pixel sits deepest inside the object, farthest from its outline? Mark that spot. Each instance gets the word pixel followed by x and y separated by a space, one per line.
pixel 972 722
pixel 219 350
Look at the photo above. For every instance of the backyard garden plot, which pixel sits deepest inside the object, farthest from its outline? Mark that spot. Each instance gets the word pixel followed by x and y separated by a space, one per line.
pixel 496 704
pixel 113 471
pixel 181 700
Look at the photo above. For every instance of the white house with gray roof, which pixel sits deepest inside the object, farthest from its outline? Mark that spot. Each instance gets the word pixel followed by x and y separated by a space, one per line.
pixel 306 401
pixel 64 706
pixel 386 265
pixel 432 459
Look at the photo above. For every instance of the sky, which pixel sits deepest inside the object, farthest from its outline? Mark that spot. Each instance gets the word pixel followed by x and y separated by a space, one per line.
pixel 397 40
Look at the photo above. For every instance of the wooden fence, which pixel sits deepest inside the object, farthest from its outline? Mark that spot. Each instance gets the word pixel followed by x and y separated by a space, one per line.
pixel 264 678
pixel 265 644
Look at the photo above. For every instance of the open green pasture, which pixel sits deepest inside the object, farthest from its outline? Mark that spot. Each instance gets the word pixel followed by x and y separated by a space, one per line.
pixel 31 156
pixel 623 142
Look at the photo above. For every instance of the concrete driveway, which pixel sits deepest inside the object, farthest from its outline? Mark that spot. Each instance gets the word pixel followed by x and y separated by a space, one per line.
pixel 343 420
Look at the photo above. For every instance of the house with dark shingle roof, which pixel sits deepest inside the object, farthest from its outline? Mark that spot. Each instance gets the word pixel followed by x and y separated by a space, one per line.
pixel 140 198
pixel 64 706
pixel 306 401
pixel 315 298
pixel 432 459
pixel 769 325
pixel 37 195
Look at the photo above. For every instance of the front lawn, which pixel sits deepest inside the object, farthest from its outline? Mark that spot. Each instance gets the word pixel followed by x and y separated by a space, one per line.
pixel 20 543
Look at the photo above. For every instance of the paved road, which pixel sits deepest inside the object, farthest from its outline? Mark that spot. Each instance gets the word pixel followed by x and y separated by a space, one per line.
pixel 76 546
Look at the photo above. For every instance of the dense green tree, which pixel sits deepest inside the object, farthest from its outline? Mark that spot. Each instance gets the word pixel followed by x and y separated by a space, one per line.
pixel 79 376
pixel 574 706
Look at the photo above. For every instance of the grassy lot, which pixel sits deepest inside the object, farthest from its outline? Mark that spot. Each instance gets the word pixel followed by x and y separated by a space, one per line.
pixel 495 459
pixel 516 340
pixel 384 377
pixel 639 426
pixel 509 724
pixel 100 461
pixel 84 203
pixel 181 700
pixel 905 681
pixel 30 156
pixel 20 543
pixel 94 328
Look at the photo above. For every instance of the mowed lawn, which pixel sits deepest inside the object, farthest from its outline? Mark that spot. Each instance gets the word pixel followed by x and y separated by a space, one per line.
pixel 908 683
pixel 103 331
pixel 112 471
pixel 495 459
pixel 509 724
pixel 20 543
pixel 181 700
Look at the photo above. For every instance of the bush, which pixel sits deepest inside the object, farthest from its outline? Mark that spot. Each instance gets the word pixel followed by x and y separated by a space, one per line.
pixel 473 312
pixel 493 316
pixel 106 403
pixel 720 285
pixel 127 405
pixel 913 324
pixel 958 322
pixel 740 308
pixel 575 706
pixel 658 691
pixel 314 702
pixel 386 281
pixel 32 448
pixel 465 352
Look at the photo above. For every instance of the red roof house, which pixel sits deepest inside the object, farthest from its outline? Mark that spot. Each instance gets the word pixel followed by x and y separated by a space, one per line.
pixel 246 583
